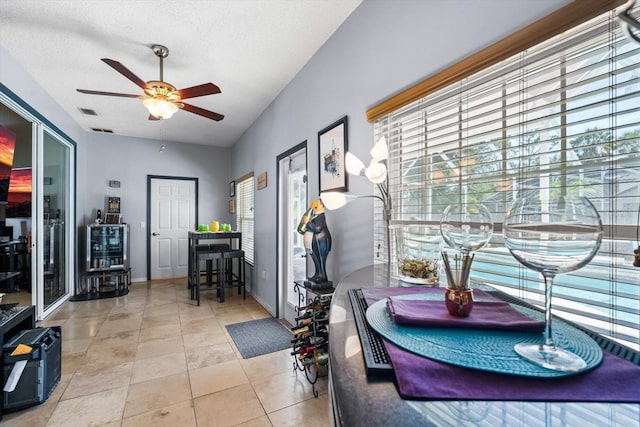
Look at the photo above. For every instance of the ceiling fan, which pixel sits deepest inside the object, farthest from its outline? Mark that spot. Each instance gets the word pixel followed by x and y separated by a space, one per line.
pixel 161 98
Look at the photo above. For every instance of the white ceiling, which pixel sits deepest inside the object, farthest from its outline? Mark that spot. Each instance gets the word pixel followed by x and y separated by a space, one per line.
pixel 251 49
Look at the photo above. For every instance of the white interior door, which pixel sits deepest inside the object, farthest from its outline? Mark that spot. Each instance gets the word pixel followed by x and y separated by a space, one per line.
pixel 173 215
pixel 292 181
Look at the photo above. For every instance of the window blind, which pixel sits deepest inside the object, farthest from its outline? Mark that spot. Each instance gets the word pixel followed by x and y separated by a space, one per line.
pixel 244 215
pixel 563 115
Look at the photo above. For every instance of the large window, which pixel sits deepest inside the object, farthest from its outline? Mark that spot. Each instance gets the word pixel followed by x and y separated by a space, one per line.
pixel 244 215
pixel 563 115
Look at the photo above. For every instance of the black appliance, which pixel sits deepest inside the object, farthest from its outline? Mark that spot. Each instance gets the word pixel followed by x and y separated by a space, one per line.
pixel 42 371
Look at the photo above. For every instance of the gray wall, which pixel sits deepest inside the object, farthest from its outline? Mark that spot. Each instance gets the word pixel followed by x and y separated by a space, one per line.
pixel 130 160
pixel 382 48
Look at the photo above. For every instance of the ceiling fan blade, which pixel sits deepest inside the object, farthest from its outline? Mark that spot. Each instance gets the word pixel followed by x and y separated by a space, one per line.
pixel 97 92
pixel 200 90
pixel 202 112
pixel 125 72
pixel 152 117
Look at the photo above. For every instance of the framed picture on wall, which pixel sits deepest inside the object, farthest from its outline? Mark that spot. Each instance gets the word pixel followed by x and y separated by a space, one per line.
pixel 332 148
pixel 232 189
pixel 232 206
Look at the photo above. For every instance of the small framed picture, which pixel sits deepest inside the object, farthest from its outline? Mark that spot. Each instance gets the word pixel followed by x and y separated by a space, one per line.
pixel 113 218
pixel 232 206
pixel 332 148
pixel 232 189
pixel 113 204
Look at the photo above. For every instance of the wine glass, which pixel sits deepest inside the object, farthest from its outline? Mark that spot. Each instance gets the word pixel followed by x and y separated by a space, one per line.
pixel 553 237
pixel 467 228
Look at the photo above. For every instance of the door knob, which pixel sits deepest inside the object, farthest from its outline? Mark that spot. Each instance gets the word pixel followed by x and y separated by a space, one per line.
pixel 155 234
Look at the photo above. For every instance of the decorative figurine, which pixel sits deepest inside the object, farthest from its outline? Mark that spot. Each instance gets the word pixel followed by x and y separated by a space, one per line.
pixel 317 242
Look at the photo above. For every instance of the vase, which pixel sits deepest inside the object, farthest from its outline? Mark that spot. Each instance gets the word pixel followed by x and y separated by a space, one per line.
pixel 459 302
pixel 417 250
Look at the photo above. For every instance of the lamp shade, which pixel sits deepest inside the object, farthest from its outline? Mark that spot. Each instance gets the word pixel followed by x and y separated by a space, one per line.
pixel 160 108
pixel 380 151
pixel 353 164
pixel 376 172
pixel 333 199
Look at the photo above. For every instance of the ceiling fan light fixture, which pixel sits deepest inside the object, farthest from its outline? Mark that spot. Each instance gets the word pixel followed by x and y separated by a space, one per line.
pixel 160 108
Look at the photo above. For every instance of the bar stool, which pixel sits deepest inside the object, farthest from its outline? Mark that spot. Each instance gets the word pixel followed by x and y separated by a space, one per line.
pixel 209 253
pixel 215 247
pixel 230 279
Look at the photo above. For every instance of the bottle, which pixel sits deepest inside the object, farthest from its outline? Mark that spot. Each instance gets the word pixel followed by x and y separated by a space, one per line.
pixel 314 305
pixel 309 337
pixel 303 350
pixel 307 315
pixel 307 361
pixel 310 328
pixel 302 226
pixel 322 358
pixel 310 340
pixel 312 315
pixel 304 322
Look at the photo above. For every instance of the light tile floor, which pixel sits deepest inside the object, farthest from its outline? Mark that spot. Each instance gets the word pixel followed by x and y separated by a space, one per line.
pixel 154 358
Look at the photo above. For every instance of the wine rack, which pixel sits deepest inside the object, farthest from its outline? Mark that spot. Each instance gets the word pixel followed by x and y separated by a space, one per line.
pixel 311 333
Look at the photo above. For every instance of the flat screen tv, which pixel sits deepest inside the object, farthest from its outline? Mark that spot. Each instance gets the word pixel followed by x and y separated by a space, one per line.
pixel 19 198
pixel 7 147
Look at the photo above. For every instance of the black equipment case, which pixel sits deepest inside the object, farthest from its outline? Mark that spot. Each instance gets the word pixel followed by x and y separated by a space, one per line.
pixel 43 369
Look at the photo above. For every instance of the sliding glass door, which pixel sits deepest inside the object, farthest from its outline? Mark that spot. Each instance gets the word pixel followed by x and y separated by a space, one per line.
pixel 37 209
pixel 55 213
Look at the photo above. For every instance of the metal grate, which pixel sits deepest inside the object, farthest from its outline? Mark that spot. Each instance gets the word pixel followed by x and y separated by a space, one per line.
pixel 376 359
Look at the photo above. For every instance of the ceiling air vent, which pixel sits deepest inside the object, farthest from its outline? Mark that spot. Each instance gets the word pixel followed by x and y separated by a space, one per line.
pixel 102 130
pixel 88 111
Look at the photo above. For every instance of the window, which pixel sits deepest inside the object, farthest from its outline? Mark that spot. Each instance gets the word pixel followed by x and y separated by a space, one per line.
pixel 562 115
pixel 244 214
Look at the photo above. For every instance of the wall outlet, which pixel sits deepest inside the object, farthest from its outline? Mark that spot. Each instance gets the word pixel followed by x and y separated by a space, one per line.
pixel 143 224
pixel 265 276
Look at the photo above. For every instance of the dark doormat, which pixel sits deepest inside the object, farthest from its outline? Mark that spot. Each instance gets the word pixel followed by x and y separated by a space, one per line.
pixel 262 336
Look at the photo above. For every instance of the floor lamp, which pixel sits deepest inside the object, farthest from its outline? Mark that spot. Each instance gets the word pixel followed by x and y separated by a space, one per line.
pixel 376 173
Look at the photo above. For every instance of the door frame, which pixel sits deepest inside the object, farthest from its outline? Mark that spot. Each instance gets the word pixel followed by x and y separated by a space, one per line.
pixel 177 178
pixel 304 144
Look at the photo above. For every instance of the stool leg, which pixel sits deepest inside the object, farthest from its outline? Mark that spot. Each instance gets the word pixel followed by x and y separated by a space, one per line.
pixel 198 289
pixel 243 272
pixel 218 277
pixel 210 272
pixel 222 279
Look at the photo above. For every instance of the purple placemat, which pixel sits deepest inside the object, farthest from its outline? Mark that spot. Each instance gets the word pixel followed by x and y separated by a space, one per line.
pixel 494 315
pixel 417 377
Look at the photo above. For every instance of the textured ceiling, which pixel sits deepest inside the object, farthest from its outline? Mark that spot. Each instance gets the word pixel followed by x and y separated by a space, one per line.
pixel 251 49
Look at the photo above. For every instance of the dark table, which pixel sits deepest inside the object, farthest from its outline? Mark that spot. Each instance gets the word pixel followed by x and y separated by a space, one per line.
pixel 195 237
pixel 358 400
